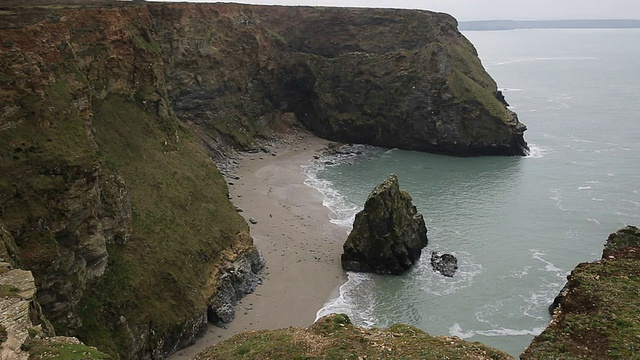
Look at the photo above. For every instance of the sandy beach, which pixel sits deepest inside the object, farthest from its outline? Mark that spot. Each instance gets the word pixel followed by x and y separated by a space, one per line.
pixel 292 230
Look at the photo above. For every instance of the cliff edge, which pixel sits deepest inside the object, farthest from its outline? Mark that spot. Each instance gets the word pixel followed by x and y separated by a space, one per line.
pixel 598 313
pixel 393 78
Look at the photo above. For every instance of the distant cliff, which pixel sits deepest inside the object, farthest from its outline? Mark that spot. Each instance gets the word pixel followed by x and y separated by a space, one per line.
pixel 392 78
pixel 113 202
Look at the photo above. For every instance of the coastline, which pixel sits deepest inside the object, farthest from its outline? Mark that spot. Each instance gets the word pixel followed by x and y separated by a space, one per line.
pixel 292 230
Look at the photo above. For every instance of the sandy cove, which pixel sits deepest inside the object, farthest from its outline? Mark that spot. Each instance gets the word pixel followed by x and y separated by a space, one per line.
pixel 292 230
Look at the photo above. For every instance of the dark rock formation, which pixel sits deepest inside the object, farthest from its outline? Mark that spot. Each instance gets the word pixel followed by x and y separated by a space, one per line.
pixel 392 78
pixel 445 264
pixel 596 315
pixel 388 234
pixel 501 98
pixel 238 279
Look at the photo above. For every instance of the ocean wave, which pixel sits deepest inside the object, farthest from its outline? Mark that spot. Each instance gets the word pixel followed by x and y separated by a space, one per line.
pixel 557 197
pixel 548 265
pixel 456 330
pixel 354 300
pixel 342 211
pixel 537 152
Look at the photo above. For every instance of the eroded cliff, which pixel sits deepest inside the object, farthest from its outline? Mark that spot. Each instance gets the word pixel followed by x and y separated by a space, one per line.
pixel 392 78
pixel 113 202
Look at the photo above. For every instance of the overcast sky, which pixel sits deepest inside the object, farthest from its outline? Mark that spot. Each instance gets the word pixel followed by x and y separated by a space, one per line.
pixel 492 9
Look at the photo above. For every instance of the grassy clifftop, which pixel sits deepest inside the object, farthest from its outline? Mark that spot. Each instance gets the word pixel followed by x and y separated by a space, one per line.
pixel 334 337
pixel 599 313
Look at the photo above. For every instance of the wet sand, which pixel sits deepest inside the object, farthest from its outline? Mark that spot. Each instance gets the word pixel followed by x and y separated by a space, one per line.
pixel 292 230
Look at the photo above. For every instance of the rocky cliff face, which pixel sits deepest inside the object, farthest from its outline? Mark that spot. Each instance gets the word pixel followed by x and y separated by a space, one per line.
pixel 104 107
pixel 25 331
pixel 388 234
pixel 391 78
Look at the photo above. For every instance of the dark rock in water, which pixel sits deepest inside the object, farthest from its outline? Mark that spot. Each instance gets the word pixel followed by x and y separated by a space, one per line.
pixel 558 299
pixel 445 264
pixel 253 221
pixel 388 234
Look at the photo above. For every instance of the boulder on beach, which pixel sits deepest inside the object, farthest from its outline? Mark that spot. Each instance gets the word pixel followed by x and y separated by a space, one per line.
pixel 445 264
pixel 388 234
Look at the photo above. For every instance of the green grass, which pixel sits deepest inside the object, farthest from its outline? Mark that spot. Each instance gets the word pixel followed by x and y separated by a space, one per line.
pixel 182 224
pixel 466 89
pixel 334 337
pixel 39 349
pixel 9 291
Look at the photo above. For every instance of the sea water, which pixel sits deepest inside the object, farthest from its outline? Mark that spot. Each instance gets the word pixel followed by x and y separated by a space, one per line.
pixel 518 225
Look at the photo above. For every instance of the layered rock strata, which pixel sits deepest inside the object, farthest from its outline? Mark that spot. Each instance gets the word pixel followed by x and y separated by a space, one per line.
pixel 392 78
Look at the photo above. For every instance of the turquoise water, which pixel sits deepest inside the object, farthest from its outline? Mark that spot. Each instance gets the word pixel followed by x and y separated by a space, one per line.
pixel 517 225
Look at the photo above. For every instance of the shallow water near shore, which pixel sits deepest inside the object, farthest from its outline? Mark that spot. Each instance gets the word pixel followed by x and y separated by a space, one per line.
pixel 517 225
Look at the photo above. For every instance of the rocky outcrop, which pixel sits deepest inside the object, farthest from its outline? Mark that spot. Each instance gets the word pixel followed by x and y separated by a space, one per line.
pixel 26 331
pixel 392 78
pixel 445 264
pixel 597 311
pixel 238 279
pixel 388 234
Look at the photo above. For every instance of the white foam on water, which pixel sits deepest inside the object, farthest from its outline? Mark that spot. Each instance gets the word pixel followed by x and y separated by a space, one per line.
pixel 593 220
pixel 519 274
pixel 584 187
pixel 557 197
pixel 440 285
pixel 456 330
pixel 537 152
pixel 538 255
pixel 635 203
pixel 354 298
pixel 343 212
pixel 354 301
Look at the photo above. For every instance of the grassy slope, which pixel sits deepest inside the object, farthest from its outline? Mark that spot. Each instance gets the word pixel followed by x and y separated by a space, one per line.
pixel 182 225
pixel 333 337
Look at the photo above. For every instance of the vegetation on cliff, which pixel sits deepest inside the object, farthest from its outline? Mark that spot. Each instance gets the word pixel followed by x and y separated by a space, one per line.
pixel 599 314
pixel 390 78
pixel 106 193
pixel 334 337
pixel 114 204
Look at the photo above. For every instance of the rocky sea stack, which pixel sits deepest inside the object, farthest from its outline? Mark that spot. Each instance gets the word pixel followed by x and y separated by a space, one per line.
pixel 388 234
